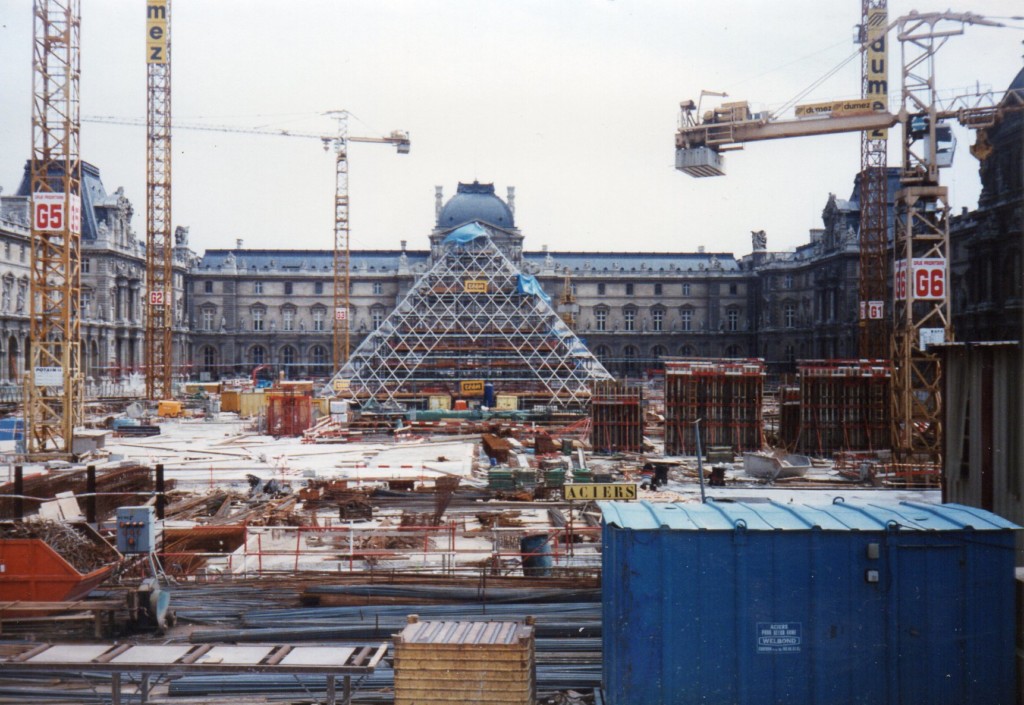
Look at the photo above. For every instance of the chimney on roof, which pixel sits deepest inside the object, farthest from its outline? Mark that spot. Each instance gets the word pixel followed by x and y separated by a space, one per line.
pixel 403 245
pixel 238 244
pixel 544 249
pixel 438 201
pixel 700 249
pixel 512 199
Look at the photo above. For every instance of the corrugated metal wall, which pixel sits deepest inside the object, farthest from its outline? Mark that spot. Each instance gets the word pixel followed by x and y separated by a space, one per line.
pixel 983 387
pixel 784 613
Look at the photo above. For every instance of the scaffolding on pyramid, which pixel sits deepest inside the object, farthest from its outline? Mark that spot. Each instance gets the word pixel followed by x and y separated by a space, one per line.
pixel 473 318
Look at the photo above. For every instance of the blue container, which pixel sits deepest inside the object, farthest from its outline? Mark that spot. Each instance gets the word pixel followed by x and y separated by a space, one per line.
pixel 536 552
pixel 12 428
pixel 489 395
pixel 745 603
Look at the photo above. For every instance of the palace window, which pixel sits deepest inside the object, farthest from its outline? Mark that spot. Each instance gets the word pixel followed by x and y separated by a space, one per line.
pixel 658 319
pixel 686 318
pixel 629 318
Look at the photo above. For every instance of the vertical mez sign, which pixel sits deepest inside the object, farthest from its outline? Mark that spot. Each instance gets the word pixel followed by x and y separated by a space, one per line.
pixel 877 88
pixel 156 31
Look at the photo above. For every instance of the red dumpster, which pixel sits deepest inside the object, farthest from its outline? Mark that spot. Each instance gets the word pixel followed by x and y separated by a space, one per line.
pixel 31 570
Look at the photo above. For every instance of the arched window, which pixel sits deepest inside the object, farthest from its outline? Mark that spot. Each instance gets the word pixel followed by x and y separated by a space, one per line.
pixel 602 352
pixel 732 351
pixel 318 359
pixel 686 351
pixel 258 355
pixel 209 357
pixel 658 351
pixel 288 359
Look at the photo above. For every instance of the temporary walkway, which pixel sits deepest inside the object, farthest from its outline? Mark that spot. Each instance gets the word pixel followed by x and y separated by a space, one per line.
pixel 166 660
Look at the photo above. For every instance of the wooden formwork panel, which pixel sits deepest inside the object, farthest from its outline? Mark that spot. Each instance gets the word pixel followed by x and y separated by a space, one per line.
pixel 844 405
pixel 726 396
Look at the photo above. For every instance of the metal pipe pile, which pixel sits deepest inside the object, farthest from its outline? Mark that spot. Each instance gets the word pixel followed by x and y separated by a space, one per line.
pixel 375 688
pixel 458 594
pixel 561 620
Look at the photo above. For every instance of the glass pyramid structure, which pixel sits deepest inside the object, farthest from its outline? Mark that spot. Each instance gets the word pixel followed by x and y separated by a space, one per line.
pixel 472 318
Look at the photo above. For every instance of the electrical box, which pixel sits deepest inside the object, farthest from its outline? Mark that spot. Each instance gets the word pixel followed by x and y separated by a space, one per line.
pixel 136 530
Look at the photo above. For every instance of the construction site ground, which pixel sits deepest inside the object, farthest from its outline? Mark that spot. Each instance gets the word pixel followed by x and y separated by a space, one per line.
pixel 277 541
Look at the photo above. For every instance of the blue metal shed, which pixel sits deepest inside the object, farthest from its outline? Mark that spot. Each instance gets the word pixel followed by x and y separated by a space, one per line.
pixel 745 603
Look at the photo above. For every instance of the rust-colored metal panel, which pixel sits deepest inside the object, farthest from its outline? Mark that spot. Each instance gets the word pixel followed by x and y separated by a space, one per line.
pixel 34 572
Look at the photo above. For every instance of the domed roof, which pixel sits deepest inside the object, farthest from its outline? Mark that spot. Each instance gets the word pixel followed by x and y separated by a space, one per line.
pixel 475 202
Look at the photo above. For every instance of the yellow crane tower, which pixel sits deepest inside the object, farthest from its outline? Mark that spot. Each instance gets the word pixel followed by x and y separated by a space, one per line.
pixel 874 337
pixel 159 306
pixel 920 296
pixel 568 309
pixel 53 385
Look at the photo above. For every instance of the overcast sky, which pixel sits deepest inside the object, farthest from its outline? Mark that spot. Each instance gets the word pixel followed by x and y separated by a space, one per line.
pixel 573 102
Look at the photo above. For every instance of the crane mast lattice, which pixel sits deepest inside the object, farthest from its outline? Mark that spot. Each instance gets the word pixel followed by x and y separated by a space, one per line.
pixel 54 388
pixel 875 334
pixel 159 304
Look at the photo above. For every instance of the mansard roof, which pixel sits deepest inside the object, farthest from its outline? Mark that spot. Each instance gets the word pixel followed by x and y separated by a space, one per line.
pixel 305 260
pixel 387 260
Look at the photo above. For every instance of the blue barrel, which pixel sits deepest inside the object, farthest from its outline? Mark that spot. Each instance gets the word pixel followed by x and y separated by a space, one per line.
pixel 489 395
pixel 536 552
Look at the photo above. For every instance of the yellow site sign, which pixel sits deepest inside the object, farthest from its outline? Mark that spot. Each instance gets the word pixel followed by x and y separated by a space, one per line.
pixel 472 388
pixel 623 490
pixel 836 108
pixel 340 385
pixel 475 286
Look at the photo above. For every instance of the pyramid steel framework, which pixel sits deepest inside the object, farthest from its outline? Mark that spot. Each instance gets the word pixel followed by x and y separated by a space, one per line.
pixel 473 316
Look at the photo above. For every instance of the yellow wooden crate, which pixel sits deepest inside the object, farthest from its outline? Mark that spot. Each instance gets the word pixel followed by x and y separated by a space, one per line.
pixel 465 662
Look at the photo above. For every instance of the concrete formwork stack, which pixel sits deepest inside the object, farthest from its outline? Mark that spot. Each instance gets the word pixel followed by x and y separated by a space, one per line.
pixel 844 405
pixel 725 395
pixel 617 417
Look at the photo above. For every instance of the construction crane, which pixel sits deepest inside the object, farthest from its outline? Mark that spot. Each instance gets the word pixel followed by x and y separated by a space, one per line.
pixel 160 304
pixel 54 388
pixel 920 299
pixel 873 340
pixel 341 252
pixel 568 309
pixel 342 271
